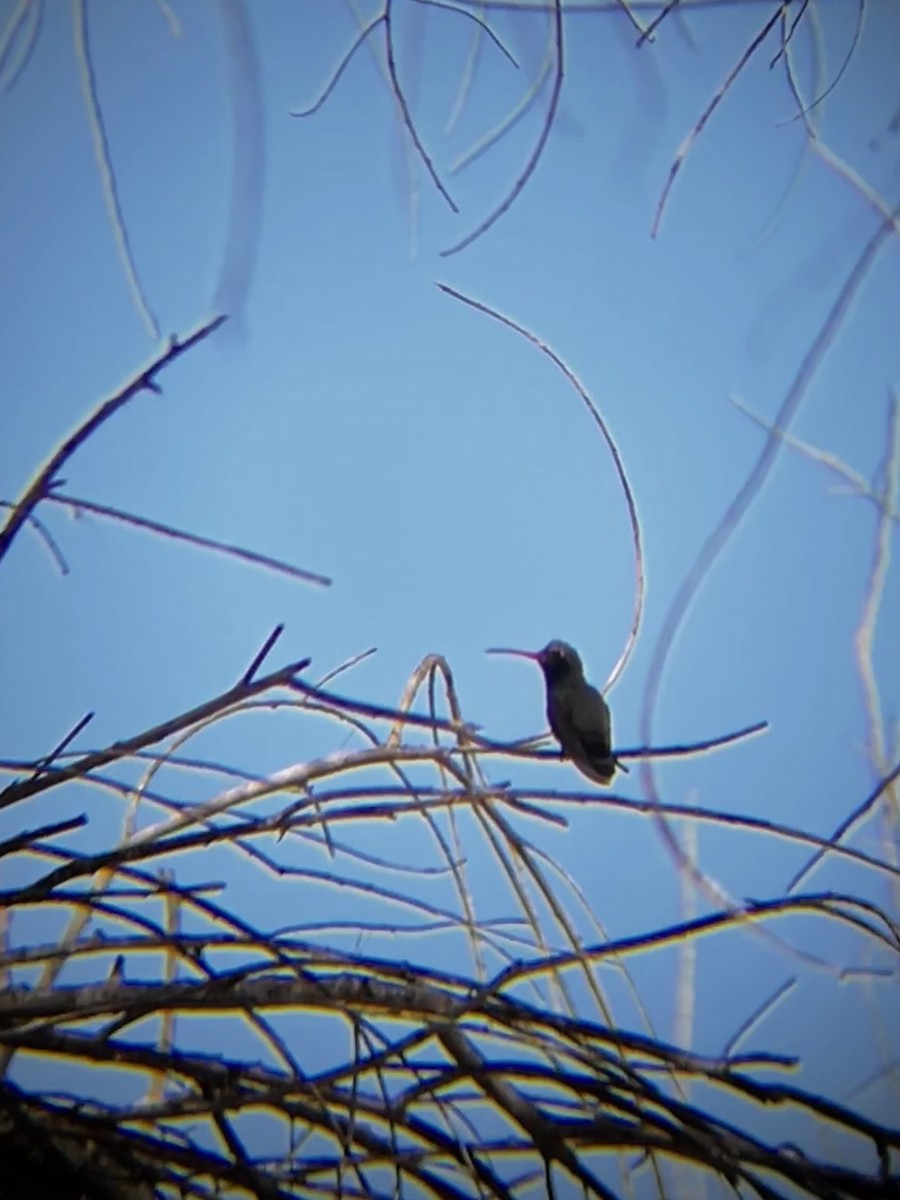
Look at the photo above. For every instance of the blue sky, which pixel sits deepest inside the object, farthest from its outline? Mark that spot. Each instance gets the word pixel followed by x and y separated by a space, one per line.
pixel 356 421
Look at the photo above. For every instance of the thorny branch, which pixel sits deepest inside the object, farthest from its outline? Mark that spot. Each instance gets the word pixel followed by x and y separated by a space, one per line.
pixel 47 476
pixel 519 1072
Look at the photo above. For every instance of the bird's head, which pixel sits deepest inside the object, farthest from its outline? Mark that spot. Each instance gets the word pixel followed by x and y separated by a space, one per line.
pixel 558 660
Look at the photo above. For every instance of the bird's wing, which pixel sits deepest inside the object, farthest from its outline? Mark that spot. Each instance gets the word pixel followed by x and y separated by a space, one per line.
pixel 593 725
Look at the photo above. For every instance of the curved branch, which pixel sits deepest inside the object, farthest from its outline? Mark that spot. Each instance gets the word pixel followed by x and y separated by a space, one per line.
pixel 105 167
pixel 638 609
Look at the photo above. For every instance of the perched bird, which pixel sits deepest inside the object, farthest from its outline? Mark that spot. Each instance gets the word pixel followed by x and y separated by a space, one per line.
pixel 577 712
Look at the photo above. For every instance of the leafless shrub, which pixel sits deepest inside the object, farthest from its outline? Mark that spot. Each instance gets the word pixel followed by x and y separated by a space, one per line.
pixel 188 1041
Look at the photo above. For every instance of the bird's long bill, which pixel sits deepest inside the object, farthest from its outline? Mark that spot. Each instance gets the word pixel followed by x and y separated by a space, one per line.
pixel 532 654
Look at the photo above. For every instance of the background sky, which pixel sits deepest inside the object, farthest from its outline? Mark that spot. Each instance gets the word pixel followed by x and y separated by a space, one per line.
pixel 353 419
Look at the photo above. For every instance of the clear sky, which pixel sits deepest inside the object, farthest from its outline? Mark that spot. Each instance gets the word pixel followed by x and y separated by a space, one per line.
pixel 355 420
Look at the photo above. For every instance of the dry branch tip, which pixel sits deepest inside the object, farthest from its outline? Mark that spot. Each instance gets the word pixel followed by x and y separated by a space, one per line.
pixel 261 655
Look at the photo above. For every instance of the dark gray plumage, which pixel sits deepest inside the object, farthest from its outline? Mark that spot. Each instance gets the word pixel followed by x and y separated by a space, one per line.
pixel 577 712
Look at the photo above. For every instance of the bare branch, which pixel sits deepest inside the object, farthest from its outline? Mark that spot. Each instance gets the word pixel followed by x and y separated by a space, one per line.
pixel 253 557
pixel 685 147
pixel 40 486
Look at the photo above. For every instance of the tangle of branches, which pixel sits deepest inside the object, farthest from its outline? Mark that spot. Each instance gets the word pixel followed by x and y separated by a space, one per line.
pixel 293 1029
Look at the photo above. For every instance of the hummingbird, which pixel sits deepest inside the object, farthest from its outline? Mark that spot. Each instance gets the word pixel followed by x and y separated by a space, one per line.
pixel 577 712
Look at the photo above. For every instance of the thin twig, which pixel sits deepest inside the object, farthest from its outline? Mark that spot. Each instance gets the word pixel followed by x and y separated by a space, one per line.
pixel 253 557
pixel 33 9
pixel 405 114
pixel 261 655
pixel 46 537
pixel 105 167
pixel 43 764
pixel 339 70
pixel 845 826
pixel 720 94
